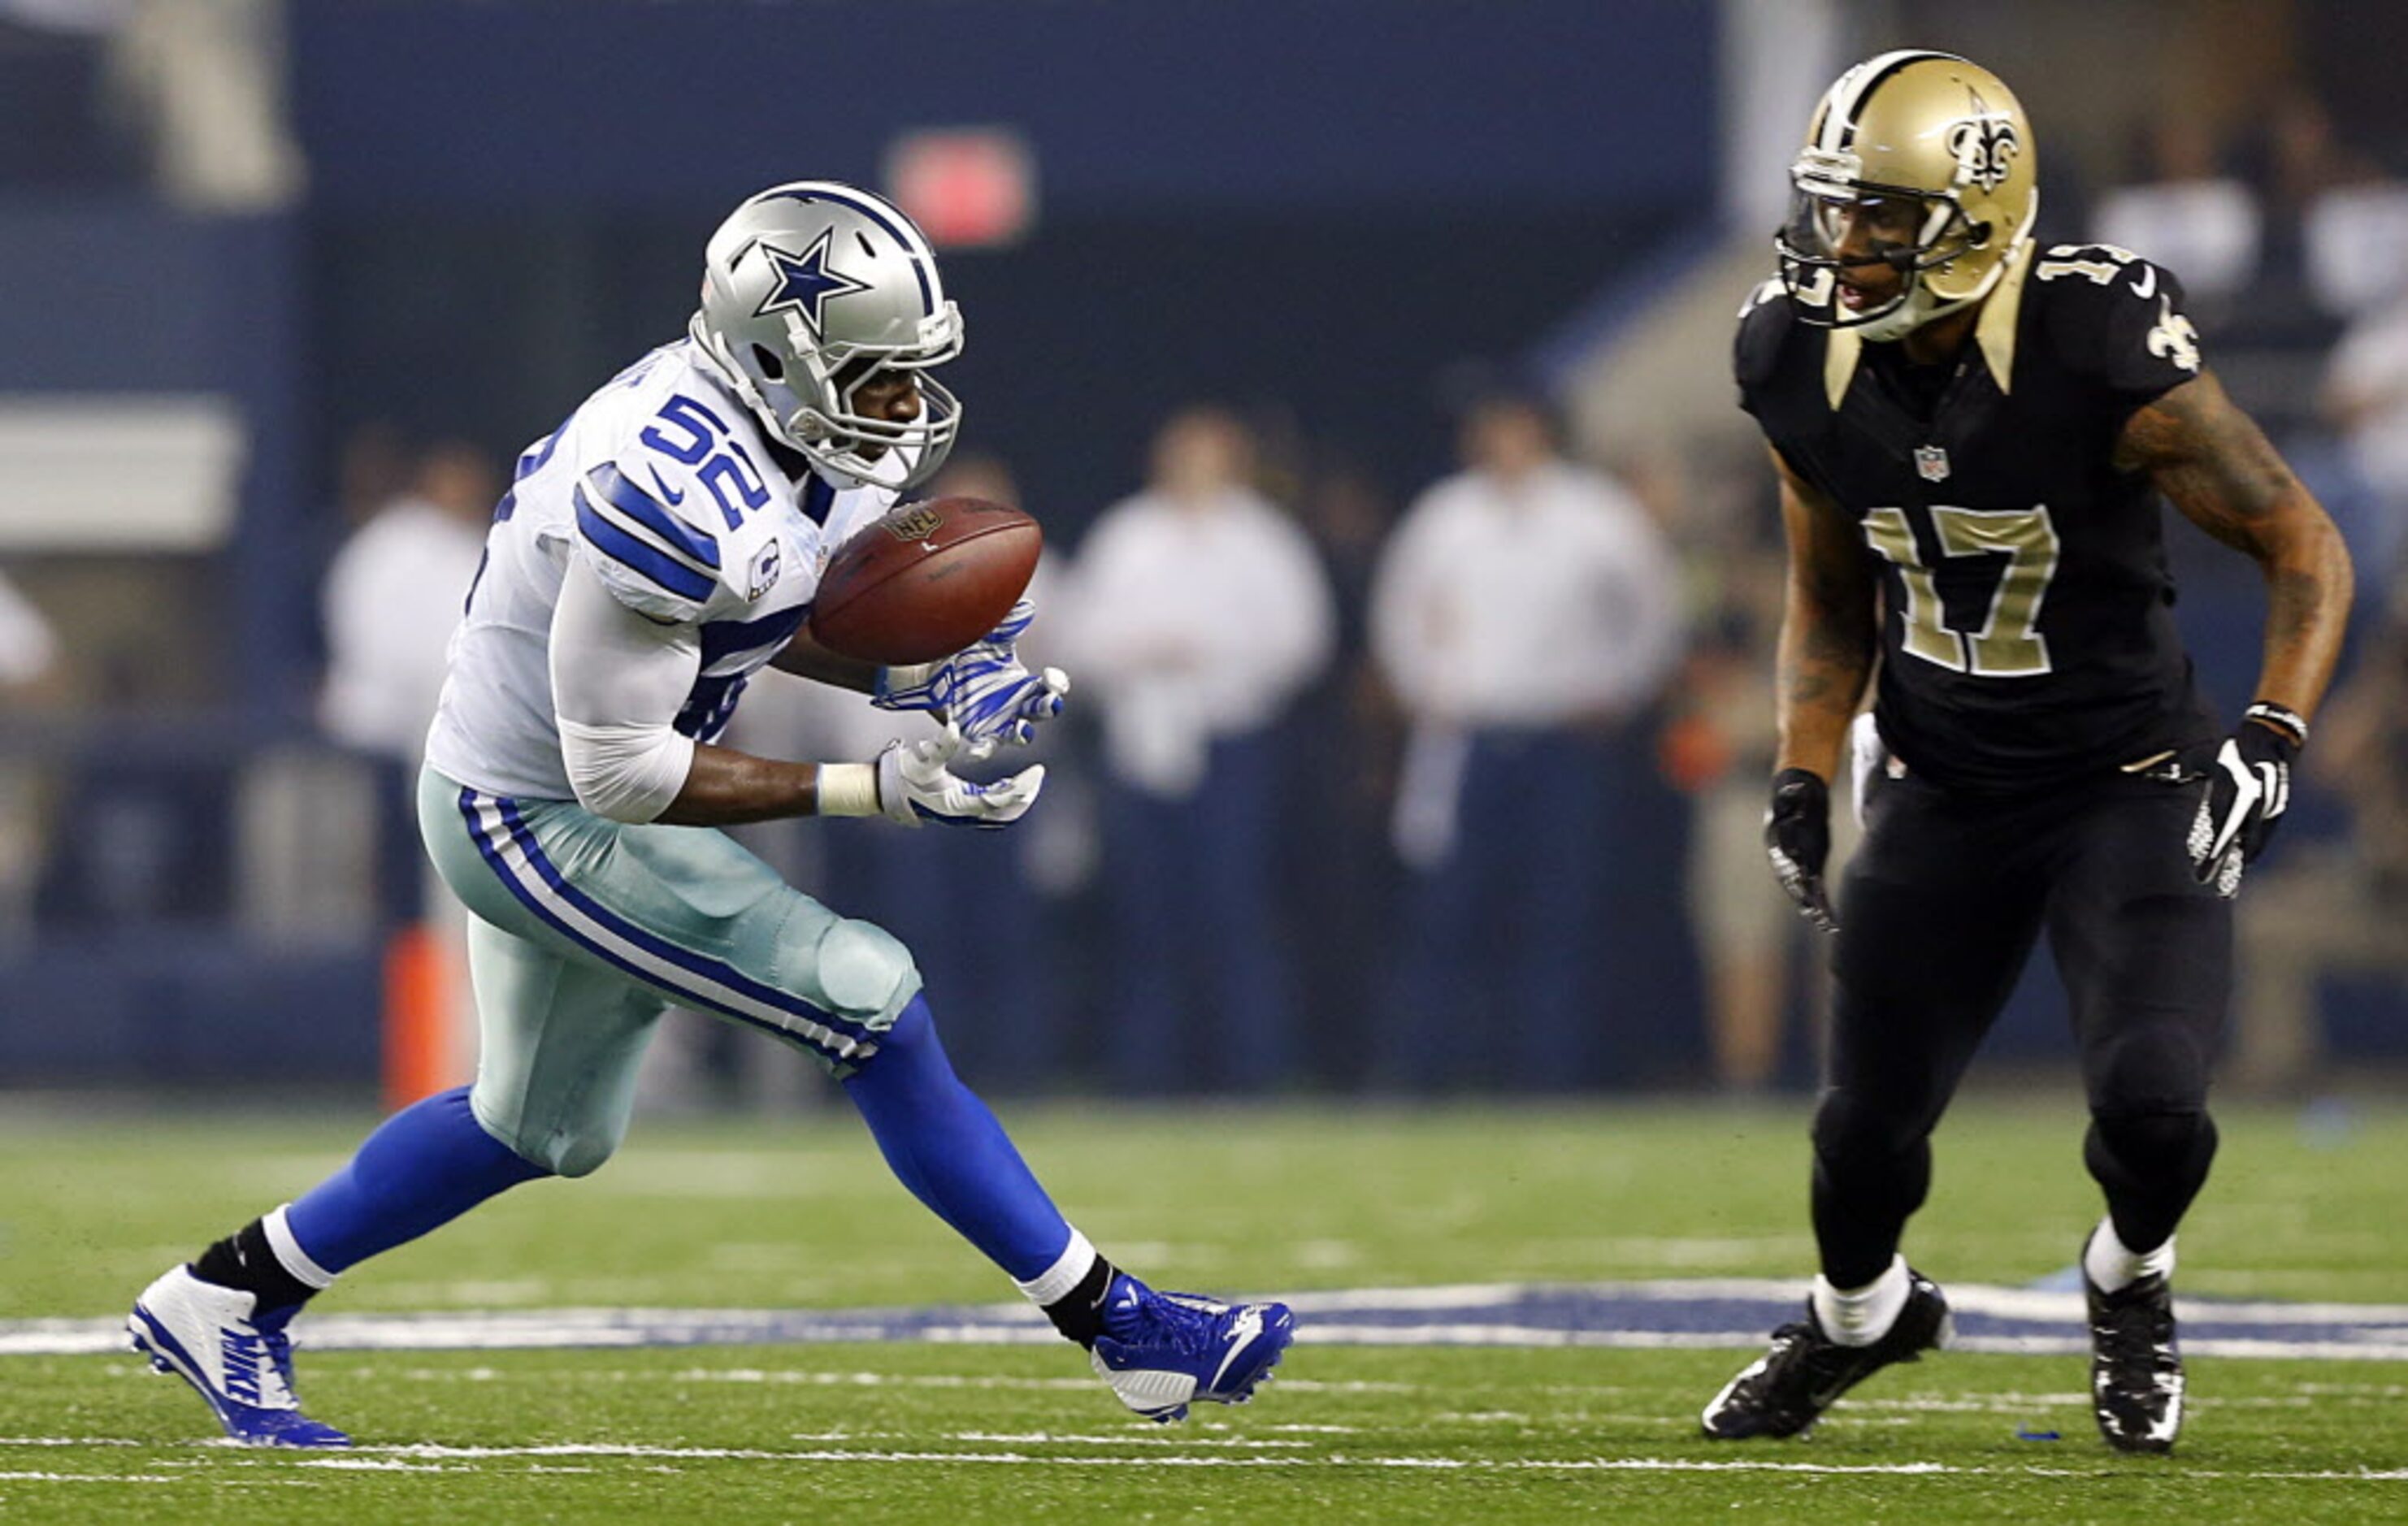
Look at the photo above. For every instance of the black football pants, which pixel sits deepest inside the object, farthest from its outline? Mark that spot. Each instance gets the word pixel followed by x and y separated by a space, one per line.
pixel 1939 911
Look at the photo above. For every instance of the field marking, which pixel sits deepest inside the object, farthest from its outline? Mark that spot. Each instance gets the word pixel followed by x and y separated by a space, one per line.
pixel 212 1480
pixel 426 1457
pixel 429 1458
pixel 1698 1314
pixel 97 1479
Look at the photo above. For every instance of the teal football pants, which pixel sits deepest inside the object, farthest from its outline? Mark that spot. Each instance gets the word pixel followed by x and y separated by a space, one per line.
pixel 586 929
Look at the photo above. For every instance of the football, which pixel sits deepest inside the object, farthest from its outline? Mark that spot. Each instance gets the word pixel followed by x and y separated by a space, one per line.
pixel 924 582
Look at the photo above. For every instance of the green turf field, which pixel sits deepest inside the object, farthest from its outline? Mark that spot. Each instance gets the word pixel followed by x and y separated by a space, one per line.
pixel 800 1213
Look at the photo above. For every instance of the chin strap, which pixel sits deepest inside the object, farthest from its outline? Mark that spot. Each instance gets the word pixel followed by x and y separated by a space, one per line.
pixel 715 361
pixel 1922 305
pixel 1920 308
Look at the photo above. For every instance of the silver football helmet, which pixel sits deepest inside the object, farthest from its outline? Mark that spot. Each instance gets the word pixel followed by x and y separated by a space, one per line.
pixel 810 290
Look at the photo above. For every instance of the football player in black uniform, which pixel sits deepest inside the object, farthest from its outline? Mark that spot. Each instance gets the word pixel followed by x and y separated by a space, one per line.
pixel 1972 434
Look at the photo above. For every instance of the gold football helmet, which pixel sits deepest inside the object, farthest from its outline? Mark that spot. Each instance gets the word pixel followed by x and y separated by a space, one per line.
pixel 1917 161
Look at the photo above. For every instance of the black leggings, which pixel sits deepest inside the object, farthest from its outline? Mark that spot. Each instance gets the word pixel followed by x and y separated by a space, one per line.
pixel 1939 911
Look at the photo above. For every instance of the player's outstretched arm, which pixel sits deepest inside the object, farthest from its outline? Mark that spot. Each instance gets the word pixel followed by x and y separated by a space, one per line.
pixel 2214 464
pixel 619 679
pixel 1827 653
pixel 805 658
pixel 1827 628
pixel 911 783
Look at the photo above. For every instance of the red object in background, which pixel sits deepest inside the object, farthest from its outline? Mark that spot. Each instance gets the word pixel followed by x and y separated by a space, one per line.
pixel 965 187
pixel 1692 754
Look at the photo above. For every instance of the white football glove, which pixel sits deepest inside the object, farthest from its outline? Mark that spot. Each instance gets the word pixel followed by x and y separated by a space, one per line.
pixel 982 690
pixel 916 783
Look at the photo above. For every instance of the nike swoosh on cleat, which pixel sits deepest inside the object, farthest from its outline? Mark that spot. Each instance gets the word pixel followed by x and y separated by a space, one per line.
pixel 1249 1328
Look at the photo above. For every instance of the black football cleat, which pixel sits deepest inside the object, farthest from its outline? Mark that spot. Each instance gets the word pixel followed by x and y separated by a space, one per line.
pixel 1785 1391
pixel 2136 1368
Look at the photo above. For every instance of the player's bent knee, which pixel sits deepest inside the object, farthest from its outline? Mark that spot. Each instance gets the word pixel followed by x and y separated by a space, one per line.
pixel 572 1149
pixel 582 1154
pixel 2158 1069
pixel 865 972
pixel 2149 1145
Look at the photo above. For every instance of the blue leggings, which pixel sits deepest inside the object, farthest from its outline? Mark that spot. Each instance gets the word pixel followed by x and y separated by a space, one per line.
pixel 431 1162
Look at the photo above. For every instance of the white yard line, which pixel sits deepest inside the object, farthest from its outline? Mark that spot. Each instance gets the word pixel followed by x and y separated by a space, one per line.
pixel 1687 1314
pixel 431 1459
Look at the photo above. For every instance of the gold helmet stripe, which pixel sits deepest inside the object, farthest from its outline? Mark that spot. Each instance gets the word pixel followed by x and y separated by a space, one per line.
pixel 1835 131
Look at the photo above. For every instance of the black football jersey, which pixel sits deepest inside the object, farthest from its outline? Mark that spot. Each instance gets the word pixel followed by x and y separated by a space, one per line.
pixel 2028 633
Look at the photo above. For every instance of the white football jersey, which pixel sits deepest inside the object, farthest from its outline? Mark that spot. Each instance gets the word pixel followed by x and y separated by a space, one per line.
pixel 667 483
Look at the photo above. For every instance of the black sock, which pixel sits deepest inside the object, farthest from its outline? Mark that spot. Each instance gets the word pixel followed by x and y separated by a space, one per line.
pixel 244 1259
pixel 1078 1314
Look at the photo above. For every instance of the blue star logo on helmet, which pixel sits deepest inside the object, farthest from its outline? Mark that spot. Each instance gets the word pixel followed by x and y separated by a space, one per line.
pixel 805 283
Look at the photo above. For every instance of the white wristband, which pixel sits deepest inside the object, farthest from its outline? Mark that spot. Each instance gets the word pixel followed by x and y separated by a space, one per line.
pixel 849 790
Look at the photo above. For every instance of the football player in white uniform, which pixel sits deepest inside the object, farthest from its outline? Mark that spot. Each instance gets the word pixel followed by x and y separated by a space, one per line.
pixel 655 553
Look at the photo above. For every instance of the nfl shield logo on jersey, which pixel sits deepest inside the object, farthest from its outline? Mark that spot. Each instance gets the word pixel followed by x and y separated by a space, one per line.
pixel 1931 462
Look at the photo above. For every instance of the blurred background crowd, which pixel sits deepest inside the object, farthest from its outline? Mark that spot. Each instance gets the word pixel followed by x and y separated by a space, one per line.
pixel 1367 363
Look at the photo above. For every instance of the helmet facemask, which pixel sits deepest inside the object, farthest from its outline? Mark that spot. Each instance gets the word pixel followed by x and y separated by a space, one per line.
pixel 813 292
pixel 808 399
pixel 1814 246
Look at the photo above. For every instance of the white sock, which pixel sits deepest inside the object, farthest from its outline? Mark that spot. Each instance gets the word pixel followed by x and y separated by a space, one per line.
pixel 289 1254
pixel 1068 1269
pixel 2113 1267
pixel 1861 1315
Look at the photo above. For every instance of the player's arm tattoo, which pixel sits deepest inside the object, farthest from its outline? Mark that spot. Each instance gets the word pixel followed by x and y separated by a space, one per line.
pixel 2214 464
pixel 1829 624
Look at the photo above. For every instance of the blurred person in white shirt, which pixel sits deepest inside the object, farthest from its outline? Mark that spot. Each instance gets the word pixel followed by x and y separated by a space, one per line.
pixel 2365 399
pixel 1526 610
pixel 2188 213
pixel 29 649
pixel 392 597
pixel 1199 611
pixel 391 600
pixel 31 675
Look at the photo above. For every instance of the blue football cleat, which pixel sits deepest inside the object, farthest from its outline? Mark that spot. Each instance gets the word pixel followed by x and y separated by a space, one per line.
pixel 205 1334
pixel 1160 1350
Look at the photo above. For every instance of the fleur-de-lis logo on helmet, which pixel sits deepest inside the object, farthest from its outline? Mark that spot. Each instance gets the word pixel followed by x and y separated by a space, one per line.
pixel 1983 143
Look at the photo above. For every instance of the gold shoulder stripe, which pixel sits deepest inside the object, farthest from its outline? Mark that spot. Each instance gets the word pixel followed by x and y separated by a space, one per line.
pixel 1841 351
pixel 1995 330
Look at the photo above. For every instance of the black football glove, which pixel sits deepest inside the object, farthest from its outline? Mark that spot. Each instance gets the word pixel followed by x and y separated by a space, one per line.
pixel 2248 789
pixel 1797 838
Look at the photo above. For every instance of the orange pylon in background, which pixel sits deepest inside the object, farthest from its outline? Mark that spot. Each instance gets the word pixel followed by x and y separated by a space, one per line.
pixel 417 1017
